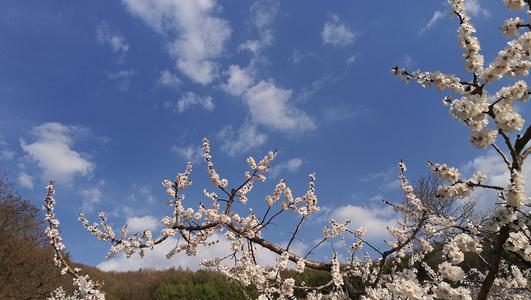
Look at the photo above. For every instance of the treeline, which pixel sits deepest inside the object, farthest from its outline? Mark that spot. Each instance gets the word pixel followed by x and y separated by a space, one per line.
pixel 169 284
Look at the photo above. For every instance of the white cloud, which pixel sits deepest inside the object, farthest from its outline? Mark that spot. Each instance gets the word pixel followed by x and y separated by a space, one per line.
pixel 169 79
pixel 337 33
pixel 122 74
pixel 263 13
pixel 497 174
pixel 475 9
pixel 492 165
pixel 387 180
pixel 297 55
pixel 472 7
pixel 437 16
pixel 198 37
pixel 191 99
pixel 351 59
pixel 188 153
pixel 238 82
pixel 122 78
pixel 156 258
pixel 375 219
pixel 25 180
pixel 6 154
pixel 267 103
pixel 139 224
pixel 343 112
pixel 184 152
pixel 140 194
pixel 292 165
pixel 91 197
pixel 247 138
pixel 269 106
pixel 112 38
pixel 53 153
pixel 316 86
pixel 407 61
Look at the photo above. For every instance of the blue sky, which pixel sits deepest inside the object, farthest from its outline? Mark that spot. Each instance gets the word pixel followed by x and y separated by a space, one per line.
pixel 111 97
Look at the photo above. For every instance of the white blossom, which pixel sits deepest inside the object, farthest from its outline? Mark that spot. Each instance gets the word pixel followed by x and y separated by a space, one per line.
pixel 515 4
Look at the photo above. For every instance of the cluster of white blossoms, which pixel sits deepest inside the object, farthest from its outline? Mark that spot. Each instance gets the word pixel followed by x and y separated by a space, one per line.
pixel 520 243
pixel 85 288
pixel 445 172
pixel 406 285
pixel 506 226
pixel 510 26
pixel 451 272
pixel 471 110
pixel 483 138
pixel 455 250
pixel 511 61
pixel 474 60
pixel 445 291
pixel 214 176
pixel 334 229
pixel 517 196
pixel 408 189
pixel 336 273
pixel 456 187
pixel 427 79
pixel 422 229
pixel 515 4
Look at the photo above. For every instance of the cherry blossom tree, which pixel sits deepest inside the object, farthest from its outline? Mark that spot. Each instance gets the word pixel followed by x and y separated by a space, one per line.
pixel 500 239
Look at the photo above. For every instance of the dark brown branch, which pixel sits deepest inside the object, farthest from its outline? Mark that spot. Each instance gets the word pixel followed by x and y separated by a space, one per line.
pixel 295 232
pixel 494 267
pixel 502 155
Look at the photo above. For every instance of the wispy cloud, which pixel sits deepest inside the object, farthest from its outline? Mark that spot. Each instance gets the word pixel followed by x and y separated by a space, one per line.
pixel 238 80
pixel 337 33
pixel 314 87
pixel 352 59
pixel 122 78
pixel 237 142
pixel 342 112
pixel 168 79
pixel 298 56
pixel 92 196
pixel 189 100
pixel 25 180
pixel 197 36
pixel 435 18
pixel 114 39
pixel 387 180
pixel 188 153
pixel 292 165
pixel 474 8
pixel 6 154
pixel 263 13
